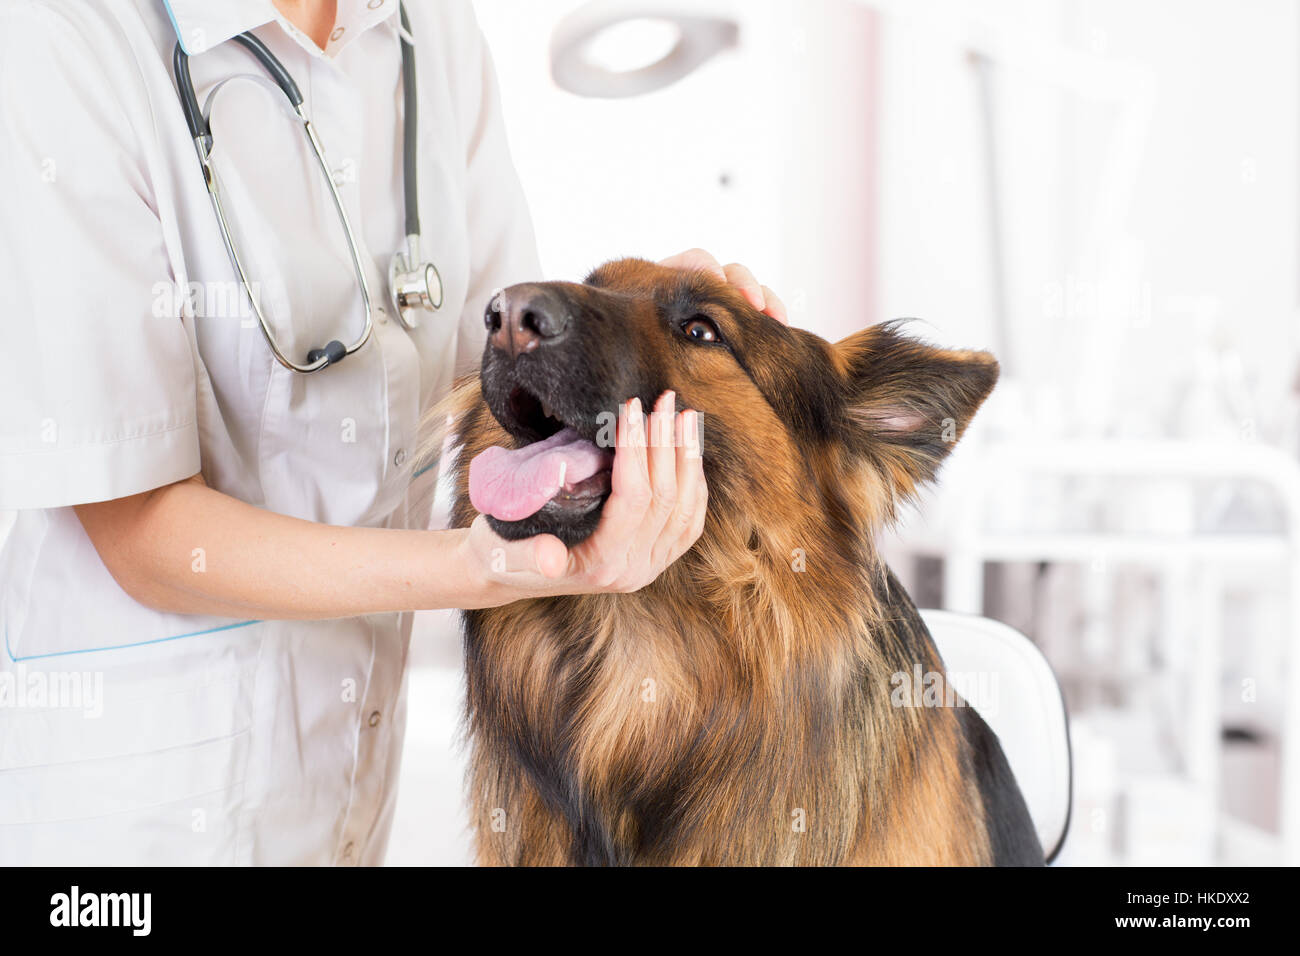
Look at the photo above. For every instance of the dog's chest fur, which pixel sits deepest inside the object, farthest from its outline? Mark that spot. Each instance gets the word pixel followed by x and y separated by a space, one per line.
pixel 657 729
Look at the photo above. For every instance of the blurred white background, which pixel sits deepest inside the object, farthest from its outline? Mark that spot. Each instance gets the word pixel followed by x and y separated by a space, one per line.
pixel 1104 193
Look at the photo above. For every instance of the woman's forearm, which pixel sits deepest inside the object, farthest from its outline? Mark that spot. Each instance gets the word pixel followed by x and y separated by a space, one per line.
pixel 189 549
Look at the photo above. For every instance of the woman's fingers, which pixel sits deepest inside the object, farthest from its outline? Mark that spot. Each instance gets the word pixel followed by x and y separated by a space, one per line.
pixel 550 556
pixel 746 284
pixel 526 564
pixel 663 465
pixel 688 516
pixel 695 259
pixel 648 513
pixel 607 552
pixel 643 555
pixel 774 307
pixel 659 532
pixel 756 294
pixel 691 461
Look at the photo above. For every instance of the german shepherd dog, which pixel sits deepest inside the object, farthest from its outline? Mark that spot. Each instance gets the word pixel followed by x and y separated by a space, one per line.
pixel 739 709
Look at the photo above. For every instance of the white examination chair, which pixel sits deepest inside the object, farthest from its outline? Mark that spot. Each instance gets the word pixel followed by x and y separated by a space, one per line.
pixel 1026 711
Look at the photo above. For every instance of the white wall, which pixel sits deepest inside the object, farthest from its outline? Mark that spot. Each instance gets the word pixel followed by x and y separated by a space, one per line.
pixel 1183 222
pixel 1209 222
pixel 763 156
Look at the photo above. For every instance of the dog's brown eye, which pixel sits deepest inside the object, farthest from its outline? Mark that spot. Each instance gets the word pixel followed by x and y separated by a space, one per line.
pixel 701 329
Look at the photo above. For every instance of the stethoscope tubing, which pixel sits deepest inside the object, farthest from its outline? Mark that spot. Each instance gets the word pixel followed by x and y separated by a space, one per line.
pixel 201 132
pixel 410 131
pixel 194 117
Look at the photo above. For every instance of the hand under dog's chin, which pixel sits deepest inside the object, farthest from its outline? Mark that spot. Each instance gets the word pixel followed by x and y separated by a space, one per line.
pixel 554 519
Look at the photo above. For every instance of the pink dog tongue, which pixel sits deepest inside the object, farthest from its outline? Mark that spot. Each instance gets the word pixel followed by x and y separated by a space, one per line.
pixel 511 484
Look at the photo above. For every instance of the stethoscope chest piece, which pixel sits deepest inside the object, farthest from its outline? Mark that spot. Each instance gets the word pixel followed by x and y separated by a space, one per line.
pixel 414 286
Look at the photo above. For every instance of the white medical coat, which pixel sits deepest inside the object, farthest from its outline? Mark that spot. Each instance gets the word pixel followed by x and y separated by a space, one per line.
pixel 130 360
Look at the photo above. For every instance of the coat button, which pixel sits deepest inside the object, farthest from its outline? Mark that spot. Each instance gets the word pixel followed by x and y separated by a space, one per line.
pixel 349 853
pixel 400 457
pixel 375 717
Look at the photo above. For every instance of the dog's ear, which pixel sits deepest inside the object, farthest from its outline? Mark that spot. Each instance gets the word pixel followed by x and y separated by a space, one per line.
pixel 907 402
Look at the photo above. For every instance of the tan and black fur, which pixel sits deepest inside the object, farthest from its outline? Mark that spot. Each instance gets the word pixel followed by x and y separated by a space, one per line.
pixel 738 709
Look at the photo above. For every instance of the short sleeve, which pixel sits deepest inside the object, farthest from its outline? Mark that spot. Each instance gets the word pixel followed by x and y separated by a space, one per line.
pixel 97 382
pixel 502 245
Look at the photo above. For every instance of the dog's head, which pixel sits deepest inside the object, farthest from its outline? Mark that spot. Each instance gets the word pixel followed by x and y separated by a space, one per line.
pixel 786 417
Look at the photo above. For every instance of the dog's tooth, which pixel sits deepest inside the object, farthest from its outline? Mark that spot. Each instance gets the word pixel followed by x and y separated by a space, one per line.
pixel 546 410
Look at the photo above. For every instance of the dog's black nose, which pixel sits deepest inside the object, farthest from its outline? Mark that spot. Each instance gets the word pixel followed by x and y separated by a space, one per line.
pixel 524 317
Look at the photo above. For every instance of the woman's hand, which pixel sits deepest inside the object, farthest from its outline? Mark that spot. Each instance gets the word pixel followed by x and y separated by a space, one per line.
pixel 759 296
pixel 654 513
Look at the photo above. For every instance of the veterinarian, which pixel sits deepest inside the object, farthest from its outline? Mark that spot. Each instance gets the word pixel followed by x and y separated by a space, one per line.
pixel 225 549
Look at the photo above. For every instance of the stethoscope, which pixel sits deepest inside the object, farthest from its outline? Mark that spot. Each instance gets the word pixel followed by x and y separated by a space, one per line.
pixel 413 285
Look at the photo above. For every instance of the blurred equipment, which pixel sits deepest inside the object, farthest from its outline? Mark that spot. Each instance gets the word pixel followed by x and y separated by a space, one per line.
pixel 594 50
pixel 1185 674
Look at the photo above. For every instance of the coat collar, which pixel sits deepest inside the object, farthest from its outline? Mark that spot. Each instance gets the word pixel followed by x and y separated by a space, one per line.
pixel 202 24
